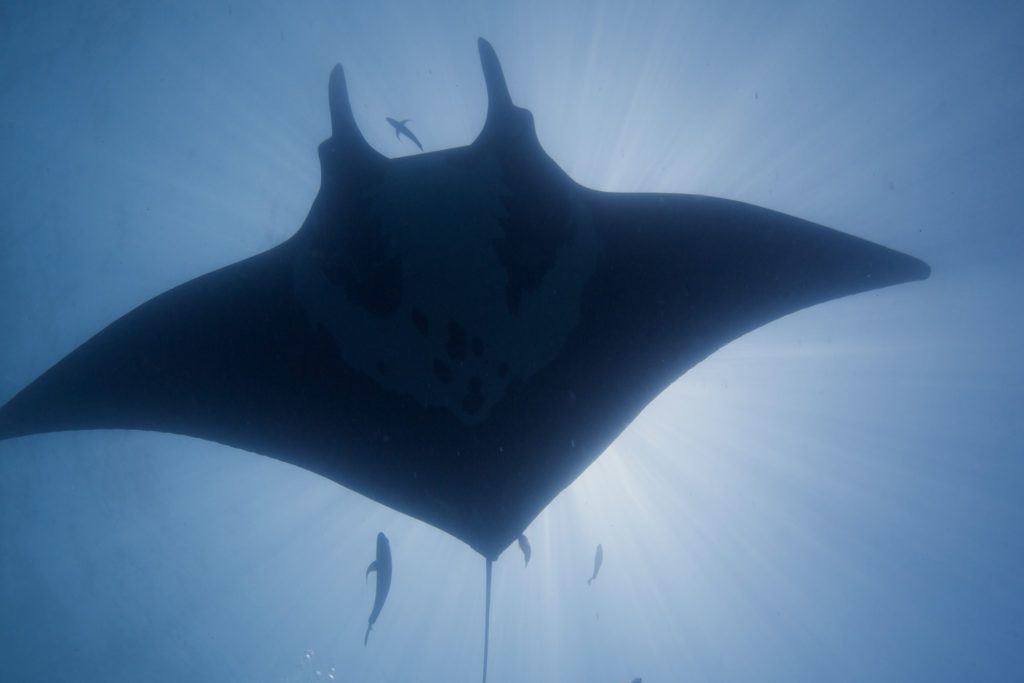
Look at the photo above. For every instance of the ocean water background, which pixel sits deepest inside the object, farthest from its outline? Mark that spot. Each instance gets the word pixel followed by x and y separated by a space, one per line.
pixel 836 496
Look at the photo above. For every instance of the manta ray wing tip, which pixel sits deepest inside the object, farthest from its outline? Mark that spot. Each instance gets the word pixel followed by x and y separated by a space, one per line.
pixel 6 428
pixel 896 267
pixel 921 270
pixel 14 421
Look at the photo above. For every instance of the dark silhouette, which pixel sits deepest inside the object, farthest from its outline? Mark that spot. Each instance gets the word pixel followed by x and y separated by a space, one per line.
pixel 524 545
pixel 402 129
pixel 559 313
pixel 598 561
pixel 381 565
pixel 457 334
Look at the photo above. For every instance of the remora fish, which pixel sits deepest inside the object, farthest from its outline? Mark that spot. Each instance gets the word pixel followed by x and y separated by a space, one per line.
pixel 598 559
pixel 524 545
pixel 382 565
pixel 402 129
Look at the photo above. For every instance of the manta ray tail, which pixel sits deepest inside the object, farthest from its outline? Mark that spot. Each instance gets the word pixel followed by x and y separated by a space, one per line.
pixel 487 616
pixel 366 638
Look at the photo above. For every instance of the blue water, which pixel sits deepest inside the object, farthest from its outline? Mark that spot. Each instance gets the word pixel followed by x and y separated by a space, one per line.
pixel 834 497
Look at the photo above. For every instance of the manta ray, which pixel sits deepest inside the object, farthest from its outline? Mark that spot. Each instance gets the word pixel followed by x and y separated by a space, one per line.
pixel 456 334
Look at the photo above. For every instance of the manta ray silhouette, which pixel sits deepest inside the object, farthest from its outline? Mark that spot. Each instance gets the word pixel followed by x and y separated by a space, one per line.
pixel 457 334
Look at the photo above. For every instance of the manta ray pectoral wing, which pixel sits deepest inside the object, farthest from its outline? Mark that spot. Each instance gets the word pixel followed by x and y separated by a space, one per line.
pixel 677 278
pixel 683 275
pixel 704 271
pixel 233 357
pixel 203 359
pixel 228 357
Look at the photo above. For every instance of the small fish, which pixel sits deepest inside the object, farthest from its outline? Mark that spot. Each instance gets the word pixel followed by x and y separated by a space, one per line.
pixel 381 565
pixel 598 559
pixel 402 129
pixel 524 545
